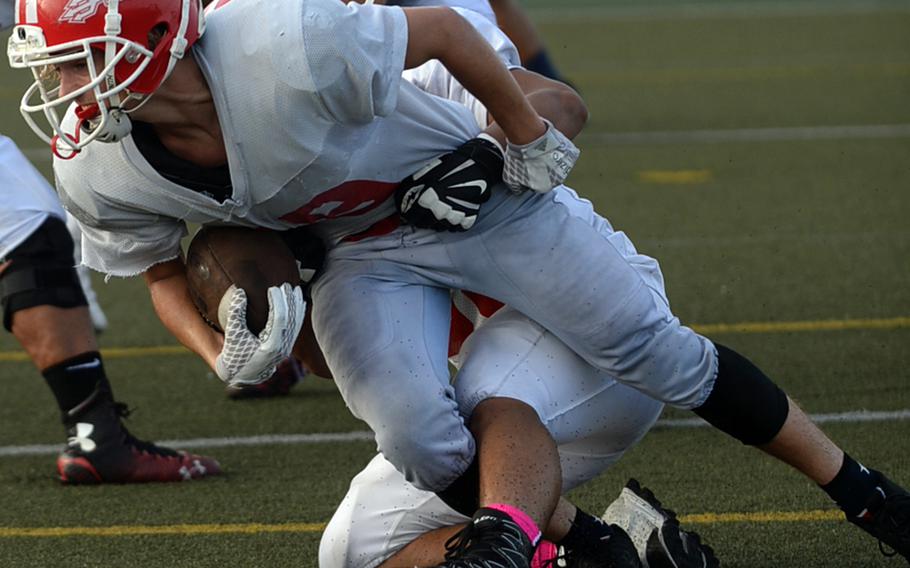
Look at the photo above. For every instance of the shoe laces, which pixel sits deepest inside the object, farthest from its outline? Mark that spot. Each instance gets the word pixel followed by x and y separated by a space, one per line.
pixel 894 518
pixel 123 411
pixel 479 542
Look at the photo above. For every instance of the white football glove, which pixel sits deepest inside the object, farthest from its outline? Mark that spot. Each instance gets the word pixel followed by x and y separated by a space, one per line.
pixel 245 358
pixel 542 164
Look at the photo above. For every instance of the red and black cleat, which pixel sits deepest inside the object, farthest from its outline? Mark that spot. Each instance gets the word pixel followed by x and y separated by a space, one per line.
pixel 101 450
pixel 289 373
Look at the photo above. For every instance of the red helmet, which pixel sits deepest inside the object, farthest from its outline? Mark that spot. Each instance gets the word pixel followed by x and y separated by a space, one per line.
pixel 51 32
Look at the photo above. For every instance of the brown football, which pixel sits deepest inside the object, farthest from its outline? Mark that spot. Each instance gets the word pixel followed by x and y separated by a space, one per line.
pixel 252 259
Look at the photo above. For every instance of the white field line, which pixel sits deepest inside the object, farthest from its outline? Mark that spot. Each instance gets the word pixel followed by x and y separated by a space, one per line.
pixel 854 416
pixel 785 134
pixel 719 10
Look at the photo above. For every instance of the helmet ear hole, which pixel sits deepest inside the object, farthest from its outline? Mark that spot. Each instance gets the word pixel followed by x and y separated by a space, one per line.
pixel 155 35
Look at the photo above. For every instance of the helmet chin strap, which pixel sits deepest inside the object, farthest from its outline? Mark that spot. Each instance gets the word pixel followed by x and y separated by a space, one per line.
pixel 113 128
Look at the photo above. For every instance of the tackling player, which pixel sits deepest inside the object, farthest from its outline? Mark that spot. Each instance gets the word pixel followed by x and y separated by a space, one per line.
pixel 306 122
pixel 505 359
pixel 45 309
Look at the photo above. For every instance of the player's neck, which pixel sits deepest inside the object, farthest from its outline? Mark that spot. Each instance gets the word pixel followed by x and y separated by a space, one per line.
pixel 183 115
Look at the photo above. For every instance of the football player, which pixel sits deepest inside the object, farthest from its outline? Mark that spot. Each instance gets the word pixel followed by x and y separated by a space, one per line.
pixel 505 359
pixel 307 122
pixel 45 308
pixel 509 365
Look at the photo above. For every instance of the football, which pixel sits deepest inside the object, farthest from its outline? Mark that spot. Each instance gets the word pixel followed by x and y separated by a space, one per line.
pixel 251 259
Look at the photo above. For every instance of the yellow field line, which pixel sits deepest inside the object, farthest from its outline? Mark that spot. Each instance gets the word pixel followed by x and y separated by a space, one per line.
pixel 708 328
pixel 763 517
pixel 812 325
pixel 113 352
pixel 261 528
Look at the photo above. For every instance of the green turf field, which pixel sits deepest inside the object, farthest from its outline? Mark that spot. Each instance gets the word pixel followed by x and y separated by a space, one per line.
pixel 760 150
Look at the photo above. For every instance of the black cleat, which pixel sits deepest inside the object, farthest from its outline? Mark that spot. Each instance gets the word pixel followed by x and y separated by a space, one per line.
pixel 101 450
pixel 660 541
pixel 614 551
pixel 491 539
pixel 887 517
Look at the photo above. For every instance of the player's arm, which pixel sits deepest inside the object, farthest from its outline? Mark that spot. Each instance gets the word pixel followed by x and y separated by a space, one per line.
pixel 239 357
pixel 441 33
pixel 169 291
pixel 449 195
pixel 553 100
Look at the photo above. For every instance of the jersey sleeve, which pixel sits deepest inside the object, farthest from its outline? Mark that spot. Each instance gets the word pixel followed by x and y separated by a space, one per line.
pixel 122 242
pixel 355 56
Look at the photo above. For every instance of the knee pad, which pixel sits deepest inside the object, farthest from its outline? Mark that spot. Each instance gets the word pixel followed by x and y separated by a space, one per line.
pixel 744 403
pixel 41 272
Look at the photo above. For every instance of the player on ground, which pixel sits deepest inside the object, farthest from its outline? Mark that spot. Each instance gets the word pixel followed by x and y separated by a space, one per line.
pixel 509 362
pixel 310 124
pixel 594 420
pixel 45 309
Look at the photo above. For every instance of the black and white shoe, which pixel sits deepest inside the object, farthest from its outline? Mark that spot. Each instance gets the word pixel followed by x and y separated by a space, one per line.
pixel 492 538
pixel 615 550
pixel 655 531
pixel 887 517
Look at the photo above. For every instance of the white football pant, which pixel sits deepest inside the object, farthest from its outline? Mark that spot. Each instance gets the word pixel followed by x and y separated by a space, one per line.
pixel 592 418
pixel 381 313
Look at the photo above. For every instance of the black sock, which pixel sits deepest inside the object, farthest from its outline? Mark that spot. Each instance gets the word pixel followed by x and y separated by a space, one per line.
pixel 463 494
pixel 852 487
pixel 77 380
pixel 586 532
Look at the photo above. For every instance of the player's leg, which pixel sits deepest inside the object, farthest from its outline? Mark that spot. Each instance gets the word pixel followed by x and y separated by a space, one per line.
pixel 393 373
pixel 867 497
pixel 381 513
pixel 517 458
pixel 613 312
pixel 592 418
pixel 385 341
pixel 45 309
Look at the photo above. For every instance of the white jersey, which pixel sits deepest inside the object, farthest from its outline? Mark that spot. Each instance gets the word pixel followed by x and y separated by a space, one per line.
pixel 318 128
pixel 26 199
pixel 480 6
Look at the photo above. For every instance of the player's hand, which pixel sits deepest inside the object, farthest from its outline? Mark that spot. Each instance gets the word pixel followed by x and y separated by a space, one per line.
pixel 542 164
pixel 446 194
pixel 247 359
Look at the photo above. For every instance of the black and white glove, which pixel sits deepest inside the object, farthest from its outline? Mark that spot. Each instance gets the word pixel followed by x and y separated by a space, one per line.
pixel 446 194
pixel 247 359
pixel 542 164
